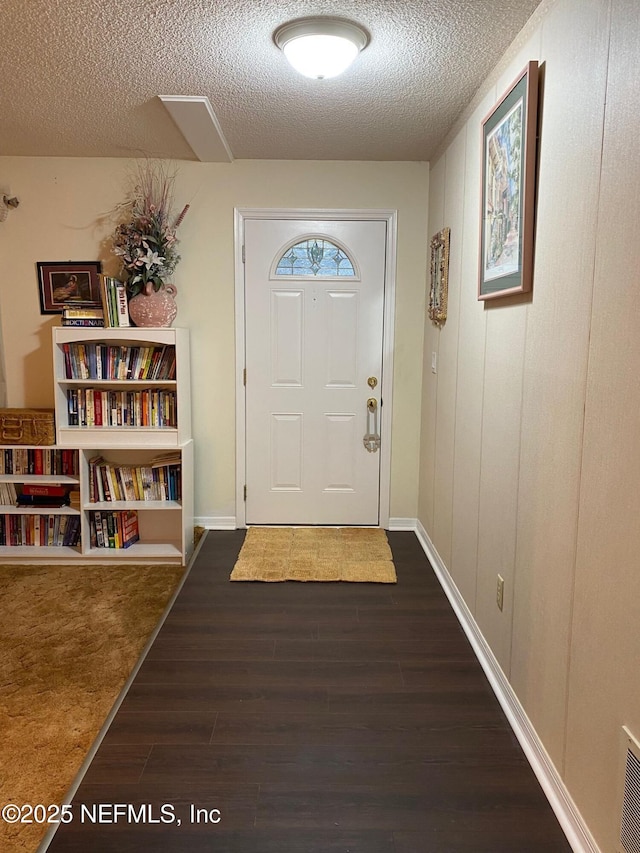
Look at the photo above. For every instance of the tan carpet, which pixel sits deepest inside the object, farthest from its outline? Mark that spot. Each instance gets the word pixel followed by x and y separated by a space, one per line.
pixel 69 639
pixel 359 554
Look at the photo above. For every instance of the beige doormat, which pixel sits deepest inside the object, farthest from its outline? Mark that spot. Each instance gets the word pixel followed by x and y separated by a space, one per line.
pixel 359 554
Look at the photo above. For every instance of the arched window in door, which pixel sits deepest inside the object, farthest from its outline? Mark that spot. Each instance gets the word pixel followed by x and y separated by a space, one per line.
pixel 316 256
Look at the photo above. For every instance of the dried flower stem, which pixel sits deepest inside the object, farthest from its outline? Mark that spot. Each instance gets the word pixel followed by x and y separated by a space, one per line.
pixel 181 217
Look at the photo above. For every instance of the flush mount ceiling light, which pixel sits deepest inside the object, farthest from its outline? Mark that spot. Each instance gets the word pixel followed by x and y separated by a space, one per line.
pixel 321 47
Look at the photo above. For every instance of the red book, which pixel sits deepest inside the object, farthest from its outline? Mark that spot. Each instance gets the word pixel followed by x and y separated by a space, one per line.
pixel 48 491
pixel 97 407
pixel 129 528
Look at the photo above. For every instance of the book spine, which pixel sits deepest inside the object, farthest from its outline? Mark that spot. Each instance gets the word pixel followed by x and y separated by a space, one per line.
pixel 121 304
pixel 97 520
pixel 68 371
pixel 82 313
pixel 88 322
pixel 51 491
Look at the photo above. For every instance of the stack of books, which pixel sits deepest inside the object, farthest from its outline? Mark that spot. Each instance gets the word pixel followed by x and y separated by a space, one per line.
pixel 45 496
pixel 79 314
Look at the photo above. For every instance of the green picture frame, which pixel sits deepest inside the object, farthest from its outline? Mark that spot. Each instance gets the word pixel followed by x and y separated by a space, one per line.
pixel 509 145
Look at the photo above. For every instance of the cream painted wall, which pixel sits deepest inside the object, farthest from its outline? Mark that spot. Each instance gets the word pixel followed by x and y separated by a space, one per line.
pixel 64 214
pixel 604 682
pixel 535 407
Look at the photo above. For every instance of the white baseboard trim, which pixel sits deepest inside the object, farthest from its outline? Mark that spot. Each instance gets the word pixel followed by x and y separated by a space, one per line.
pixel 402 523
pixel 570 819
pixel 215 522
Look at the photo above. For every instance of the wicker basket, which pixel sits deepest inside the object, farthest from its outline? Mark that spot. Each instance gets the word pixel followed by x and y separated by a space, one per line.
pixel 27 426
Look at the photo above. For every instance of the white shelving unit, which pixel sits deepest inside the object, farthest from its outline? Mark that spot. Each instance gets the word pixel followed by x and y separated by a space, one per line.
pixel 165 526
pixel 38 553
pixel 112 436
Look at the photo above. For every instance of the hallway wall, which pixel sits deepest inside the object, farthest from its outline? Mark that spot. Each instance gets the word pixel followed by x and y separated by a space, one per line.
pixel 529 456
pixel 67 212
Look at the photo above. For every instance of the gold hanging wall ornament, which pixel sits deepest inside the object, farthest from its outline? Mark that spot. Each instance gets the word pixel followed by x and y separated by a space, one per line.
pixel 7 204
pixel 438 292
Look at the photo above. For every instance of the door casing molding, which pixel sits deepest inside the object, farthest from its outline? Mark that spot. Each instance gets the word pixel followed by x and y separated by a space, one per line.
pixel 241 214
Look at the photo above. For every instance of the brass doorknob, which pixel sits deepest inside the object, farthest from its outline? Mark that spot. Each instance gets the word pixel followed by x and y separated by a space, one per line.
pixel 372 382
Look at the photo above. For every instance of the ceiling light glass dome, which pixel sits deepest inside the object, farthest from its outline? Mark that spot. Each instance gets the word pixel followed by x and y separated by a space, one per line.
pixel 321 48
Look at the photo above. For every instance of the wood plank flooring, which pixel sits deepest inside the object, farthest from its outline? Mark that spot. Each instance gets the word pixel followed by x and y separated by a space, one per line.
pixel 314 718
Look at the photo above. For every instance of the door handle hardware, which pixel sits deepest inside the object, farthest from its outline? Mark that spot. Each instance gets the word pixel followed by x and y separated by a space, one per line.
pixel 371 439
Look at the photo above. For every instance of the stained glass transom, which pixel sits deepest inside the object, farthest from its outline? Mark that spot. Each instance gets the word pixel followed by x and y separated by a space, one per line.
pixel 315 256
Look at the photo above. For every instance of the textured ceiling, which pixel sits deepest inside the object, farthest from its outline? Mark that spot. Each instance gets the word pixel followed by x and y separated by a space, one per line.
pixel 80 78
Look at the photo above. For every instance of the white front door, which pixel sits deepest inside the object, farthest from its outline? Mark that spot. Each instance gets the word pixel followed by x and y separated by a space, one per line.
pixel 314 309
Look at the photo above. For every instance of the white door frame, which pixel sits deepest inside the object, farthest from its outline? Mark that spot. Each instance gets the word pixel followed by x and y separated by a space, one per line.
pixel 386 391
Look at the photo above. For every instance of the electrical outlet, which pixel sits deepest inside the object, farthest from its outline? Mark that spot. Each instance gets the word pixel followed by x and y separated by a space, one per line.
pixel 500 592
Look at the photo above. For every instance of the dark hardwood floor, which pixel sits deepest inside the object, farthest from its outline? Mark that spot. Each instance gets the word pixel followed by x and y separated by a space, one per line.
pixel 314 718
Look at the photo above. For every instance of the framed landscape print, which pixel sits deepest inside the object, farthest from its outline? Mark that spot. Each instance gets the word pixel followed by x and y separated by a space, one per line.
pixel 508 189
pixel 62 282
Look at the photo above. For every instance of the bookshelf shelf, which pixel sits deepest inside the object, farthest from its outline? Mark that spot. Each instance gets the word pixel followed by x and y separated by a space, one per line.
pixel 141 552
pixel 106 437
pixel 42 479
pixel 11 509
pixel 32 554
pixel 165 520
pixel 117 383
pixel 141 506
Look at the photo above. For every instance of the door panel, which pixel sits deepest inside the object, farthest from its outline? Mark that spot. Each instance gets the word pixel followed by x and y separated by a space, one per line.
pixel 340 439
pixel 286 338
pixel 342 344
pixel 286 452
pixel 311 344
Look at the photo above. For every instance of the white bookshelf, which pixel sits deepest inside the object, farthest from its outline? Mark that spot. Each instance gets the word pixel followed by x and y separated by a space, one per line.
pixel 16 514
pixel 165 526
pixel 93 435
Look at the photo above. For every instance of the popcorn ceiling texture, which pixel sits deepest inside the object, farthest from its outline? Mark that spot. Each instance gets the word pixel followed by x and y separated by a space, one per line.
pixel 80 78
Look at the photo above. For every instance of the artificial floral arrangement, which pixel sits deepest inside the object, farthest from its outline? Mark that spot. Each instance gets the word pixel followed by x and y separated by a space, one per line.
pixel 146 242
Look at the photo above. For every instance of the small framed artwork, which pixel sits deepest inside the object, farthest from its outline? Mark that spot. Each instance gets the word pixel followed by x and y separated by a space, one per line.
pixel 439 290
pixel 62 282
pixel 509 135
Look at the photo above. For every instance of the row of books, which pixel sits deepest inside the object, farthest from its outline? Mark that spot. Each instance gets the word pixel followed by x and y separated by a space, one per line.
pixel 94 407
pixel 161 480
pixel 40 530
pixel 8 494
pixel 119 362
pixel 113 529
pixel 38 460
pixel 115 305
